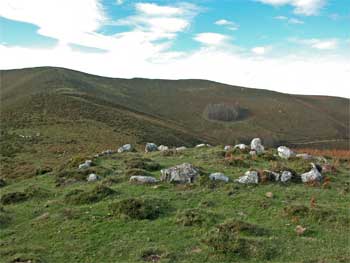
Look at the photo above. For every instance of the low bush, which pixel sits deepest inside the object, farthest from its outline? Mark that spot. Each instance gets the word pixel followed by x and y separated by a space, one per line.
pixel 194 217
pixel 80 197
pixel 137 208
pixel 13 198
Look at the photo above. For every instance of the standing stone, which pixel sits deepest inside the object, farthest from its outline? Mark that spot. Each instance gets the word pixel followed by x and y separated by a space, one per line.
pixel 257 146
pixel 183 173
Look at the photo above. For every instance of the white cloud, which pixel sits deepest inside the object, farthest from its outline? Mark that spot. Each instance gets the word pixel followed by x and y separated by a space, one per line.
pixel 65 20
pixel 292 20
pixel 228 24
pixel 260 50
pixel 295 21
pixel 320 44
pixel 120 2
pixel 160 21
pixel 302 7
pixel 212 39
pixel 292 74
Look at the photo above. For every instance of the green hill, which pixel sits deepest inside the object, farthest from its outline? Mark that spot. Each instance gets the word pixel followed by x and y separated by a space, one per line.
pixel 73 112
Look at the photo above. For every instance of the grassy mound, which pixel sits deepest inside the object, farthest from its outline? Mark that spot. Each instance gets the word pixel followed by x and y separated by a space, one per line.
pixel 80 197
pixel 137 208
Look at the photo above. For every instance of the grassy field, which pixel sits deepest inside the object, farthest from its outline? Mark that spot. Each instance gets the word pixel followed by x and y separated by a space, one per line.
pixel 56 216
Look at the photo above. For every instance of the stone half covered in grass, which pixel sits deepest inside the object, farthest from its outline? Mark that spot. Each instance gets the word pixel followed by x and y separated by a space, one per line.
pixel 138 208
pixel 80 197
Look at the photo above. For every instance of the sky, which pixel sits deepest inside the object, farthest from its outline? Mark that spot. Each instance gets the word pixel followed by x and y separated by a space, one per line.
pixel 291 46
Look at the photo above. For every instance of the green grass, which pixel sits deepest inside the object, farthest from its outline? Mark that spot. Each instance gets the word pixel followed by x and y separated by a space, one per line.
pixel 184 220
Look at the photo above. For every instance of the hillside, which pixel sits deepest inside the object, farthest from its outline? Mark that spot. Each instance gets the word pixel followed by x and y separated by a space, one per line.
pixel 74 112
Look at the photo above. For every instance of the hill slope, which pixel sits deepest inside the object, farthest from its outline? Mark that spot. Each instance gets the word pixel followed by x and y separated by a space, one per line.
pixel 74 112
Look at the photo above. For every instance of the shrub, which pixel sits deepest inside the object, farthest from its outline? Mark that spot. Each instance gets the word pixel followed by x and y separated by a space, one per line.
pixel 194 217
pixel 13 197
pixel 137 208
pixel 79 197
pixel 227 238
pixel 145 164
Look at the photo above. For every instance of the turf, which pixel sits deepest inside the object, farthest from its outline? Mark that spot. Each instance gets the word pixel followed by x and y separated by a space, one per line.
pixel 112 220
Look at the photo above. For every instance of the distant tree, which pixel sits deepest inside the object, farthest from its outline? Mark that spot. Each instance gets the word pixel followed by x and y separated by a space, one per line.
pixel 223 112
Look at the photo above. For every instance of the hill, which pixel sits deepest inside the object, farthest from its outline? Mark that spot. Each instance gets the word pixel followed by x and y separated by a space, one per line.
pixel 73 112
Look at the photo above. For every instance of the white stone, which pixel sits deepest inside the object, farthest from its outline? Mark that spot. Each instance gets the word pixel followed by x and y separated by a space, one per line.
pixel 250 177
pixel 151 147
pixel 125 148
pixel 285 153
pixel 92 178
pixel 143 179
pixel 311 176
pixel 163 148
pixel 257 146
pixel 218 177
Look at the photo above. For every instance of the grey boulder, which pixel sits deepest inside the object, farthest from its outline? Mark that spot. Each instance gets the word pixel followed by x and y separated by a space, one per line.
pixel 314 175
pixel 285 153
pixel 183 173
pixel 218 177
pixel 151 147
pixel 250 177
pixel 125 148
pixel 85 165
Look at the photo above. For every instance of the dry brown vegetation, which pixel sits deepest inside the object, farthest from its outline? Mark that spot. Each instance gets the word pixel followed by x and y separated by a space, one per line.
pixel 341 154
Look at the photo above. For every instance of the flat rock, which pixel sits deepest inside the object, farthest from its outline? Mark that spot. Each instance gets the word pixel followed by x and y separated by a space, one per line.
pixel 143 179
pixel 218 177
pixel 125 148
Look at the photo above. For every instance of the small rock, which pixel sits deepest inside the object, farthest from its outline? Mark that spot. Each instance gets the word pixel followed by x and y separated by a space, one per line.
pixel 250 177
pixel 151 147
pixel 202 145
pixel 285 153
pixel 218 177
pixel 257 146
pixel 269 194
pixel 183 173
pixel 163 148
pixel 252 153
pixel 143 179
pixel 313 175
pixel 182 148
pixel 92 178
pixel 85 165
pixel 228 147
pixel 240 146
pixel 125 148
pixel 285 177
pixel 300 230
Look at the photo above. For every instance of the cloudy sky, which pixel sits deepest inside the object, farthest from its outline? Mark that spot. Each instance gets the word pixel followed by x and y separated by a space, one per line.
pixel 294 46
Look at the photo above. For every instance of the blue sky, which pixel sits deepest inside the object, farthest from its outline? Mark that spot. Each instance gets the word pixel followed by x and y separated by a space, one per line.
pixel 295 46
